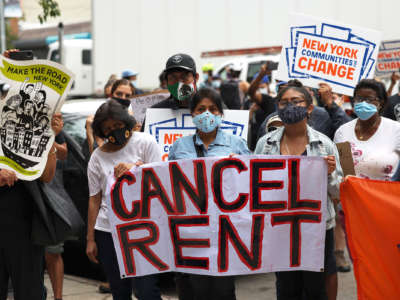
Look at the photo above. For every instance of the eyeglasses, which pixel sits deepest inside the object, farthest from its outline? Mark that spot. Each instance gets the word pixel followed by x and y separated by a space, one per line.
pixel 123 95
pixel 294 101
pixel 358 99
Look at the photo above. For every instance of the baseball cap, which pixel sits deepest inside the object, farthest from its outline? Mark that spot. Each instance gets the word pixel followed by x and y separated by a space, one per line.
pixel 129 73
pixel 181 61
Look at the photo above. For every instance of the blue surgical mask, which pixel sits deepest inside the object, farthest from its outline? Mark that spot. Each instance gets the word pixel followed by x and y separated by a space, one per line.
pixel 133 82
pixel 365 110
pixel 205 76
pixel 216 84
pixel 292 114
pixel 207 122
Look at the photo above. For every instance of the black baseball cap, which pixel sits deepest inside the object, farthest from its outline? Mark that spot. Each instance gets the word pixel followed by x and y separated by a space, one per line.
pixel 181 61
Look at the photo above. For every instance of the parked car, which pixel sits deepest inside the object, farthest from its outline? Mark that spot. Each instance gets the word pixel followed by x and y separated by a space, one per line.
pixel 74 114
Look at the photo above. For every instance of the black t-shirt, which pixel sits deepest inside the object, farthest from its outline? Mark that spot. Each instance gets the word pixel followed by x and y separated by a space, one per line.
pixel 268 104
pixel 392 110
pixel 16 209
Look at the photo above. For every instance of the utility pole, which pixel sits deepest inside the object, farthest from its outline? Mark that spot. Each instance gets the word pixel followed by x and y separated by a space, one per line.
pixel 2 27
pixel 60 41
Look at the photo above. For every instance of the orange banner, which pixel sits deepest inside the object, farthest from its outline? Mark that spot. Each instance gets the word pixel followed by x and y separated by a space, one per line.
pixel 372 210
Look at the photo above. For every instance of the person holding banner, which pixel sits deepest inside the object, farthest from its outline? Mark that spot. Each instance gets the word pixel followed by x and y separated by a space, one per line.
pixel 375 140
pixel 122 150
pixel 20 259
pixel 209 140
pixel 297 138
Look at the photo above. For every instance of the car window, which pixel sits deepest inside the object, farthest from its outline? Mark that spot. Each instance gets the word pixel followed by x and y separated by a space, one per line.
pixel 254 68
pixel 75 127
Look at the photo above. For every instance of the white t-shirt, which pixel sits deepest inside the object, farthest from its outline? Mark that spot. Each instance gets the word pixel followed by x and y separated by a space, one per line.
pixel 377 157
pixel 141 146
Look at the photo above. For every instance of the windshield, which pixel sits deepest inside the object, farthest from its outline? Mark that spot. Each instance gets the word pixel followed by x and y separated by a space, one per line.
pixel 74 125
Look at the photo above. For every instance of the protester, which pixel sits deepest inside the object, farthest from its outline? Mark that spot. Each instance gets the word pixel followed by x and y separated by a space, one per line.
pixel 233 90
pixel 53 258
pixel 375 140
pixel 263 104
pixel 182 80
pixel 162 78
pixel 20 259
pixel 209 140
pixel 121 91
pixel 392 110
pixel 122 150
pixel 207 76
pixel 131 76
pixel 318 119
pixel 297 138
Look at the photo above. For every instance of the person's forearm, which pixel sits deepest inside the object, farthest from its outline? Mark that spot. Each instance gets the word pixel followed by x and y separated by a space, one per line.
pixel 50 168
pixel 93 211
pixel 254 86
pixel 390 89
pixel 62 151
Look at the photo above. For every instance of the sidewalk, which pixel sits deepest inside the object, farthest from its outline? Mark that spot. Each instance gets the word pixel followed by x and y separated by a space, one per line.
pixel 247 288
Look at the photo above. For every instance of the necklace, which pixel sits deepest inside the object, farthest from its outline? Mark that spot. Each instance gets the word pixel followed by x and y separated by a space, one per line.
pixel 361 135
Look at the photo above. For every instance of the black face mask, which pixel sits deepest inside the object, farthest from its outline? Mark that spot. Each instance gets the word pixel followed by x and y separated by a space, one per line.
pixel 292 114
pixel 125 103
pixel 119 136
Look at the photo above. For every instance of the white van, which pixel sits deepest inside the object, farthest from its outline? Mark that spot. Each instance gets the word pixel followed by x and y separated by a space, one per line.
pixel 250 66
pixel 77 56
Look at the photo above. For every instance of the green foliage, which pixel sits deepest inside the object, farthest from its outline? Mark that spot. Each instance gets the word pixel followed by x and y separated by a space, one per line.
pixel 50 9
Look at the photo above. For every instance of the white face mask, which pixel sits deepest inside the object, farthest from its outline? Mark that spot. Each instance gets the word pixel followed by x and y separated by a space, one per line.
pixel 263 91
pixel 133 82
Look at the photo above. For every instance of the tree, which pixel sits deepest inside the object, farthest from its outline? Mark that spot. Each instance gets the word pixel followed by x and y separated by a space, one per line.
pixel 50 9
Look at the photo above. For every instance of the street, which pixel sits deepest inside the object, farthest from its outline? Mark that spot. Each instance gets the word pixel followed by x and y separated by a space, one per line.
pixel 247 288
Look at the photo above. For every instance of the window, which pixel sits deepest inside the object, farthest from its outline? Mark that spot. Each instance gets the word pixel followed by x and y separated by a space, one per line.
pixel 55 55
pixel 86 57
pixel 253 69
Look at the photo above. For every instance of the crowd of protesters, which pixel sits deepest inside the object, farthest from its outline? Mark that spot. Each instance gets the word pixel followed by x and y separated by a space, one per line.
pixel 293 119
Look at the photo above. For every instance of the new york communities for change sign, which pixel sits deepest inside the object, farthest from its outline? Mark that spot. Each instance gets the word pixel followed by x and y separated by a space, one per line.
pixel 167 125
pixel 388 59
pixel 220 215
pixel 319 51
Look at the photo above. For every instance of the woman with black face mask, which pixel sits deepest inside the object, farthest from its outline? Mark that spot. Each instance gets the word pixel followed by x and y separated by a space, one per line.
pixel 122 150
pixel 295 137
pixel 122 91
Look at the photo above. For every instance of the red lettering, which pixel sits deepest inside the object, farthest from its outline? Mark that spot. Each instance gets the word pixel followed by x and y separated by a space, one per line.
pixel 177 136
pixel 322 67
pixel 342 71
pixel 168 139
pixel 306 43
pixel 301 66
pixel 332 68
pixel 353 53
pixel 350 73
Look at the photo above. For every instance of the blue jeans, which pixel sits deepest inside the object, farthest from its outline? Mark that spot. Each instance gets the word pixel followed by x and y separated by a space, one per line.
pixel 145 287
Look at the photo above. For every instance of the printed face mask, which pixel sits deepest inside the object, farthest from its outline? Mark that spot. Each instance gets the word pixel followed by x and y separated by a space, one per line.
pixel 181 91
pixel 207 122
pixel 119 136
pixel 123 102
pixel 365 110
pixel 292 114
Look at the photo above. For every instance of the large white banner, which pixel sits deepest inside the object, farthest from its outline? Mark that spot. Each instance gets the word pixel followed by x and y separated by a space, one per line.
pixel 316 50
pixel 220 215
pixel 168 125
pixel 38 89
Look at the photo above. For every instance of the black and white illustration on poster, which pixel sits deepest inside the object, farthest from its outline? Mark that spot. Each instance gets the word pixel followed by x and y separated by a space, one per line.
pixel 38 89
